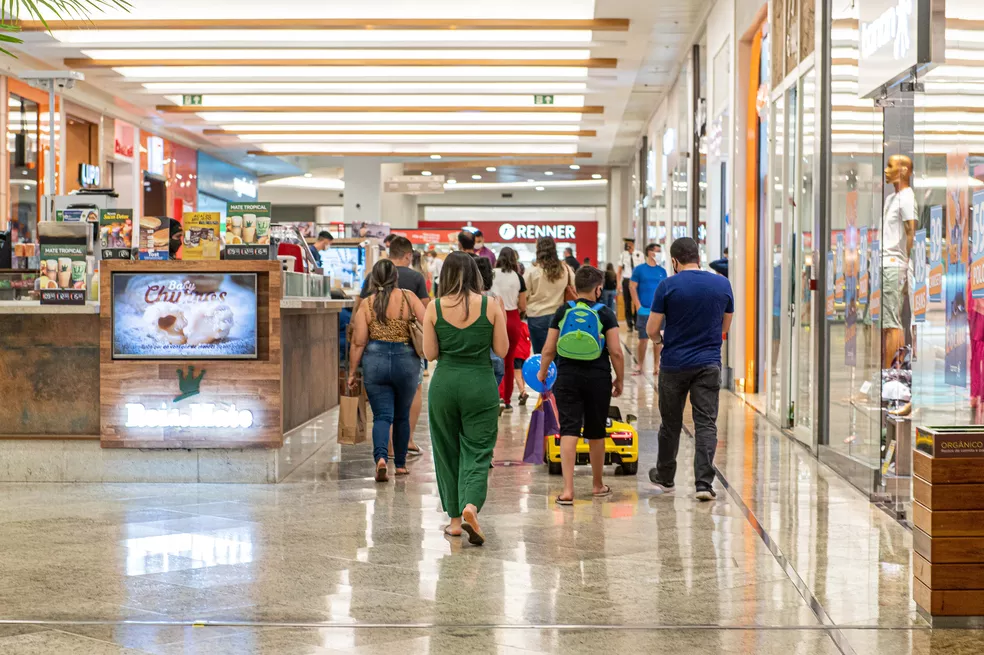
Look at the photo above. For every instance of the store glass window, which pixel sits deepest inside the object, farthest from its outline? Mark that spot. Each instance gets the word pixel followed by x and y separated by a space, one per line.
pixel 23 130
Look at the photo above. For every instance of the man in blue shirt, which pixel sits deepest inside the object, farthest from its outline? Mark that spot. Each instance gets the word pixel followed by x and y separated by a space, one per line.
pixel 645 278
pixel 696 307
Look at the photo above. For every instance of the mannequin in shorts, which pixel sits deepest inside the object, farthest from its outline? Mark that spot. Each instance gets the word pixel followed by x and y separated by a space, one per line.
pixel 899 228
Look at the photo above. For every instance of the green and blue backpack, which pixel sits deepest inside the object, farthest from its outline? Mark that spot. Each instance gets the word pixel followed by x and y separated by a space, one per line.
pixel 581 335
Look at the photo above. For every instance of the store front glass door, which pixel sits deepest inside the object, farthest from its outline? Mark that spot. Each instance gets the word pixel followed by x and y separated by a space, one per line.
pixel 782 127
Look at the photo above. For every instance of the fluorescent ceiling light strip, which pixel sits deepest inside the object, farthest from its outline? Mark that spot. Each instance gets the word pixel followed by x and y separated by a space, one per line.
pixel 311 73
pixel 334 184
pixel 476 118
pixel 445 149
pixel 365 87
pixel 407 138
pixel 218 54
pixel 360 36
pixel 408 127
pixel 389 100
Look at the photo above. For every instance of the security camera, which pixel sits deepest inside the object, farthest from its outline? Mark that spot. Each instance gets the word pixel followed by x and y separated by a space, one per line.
pixel 59 80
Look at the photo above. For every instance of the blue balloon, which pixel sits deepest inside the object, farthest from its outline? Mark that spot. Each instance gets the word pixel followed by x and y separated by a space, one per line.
pixel 530 370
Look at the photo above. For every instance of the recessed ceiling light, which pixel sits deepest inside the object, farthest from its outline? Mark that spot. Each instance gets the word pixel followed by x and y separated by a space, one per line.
pixel 435 156
pixel 490 169
pixel 575 167
pixel 425 172
pixel 309 175
pixel 531 180
pixel 548 172
pixel 596 176
pixel 452 181
pixel 476 177
pixel 539 188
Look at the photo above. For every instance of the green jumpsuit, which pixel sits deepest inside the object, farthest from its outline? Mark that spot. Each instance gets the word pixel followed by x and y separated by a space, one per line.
pixel 463 408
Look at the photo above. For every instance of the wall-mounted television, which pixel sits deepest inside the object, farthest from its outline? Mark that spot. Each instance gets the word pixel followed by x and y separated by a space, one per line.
pixel 184 315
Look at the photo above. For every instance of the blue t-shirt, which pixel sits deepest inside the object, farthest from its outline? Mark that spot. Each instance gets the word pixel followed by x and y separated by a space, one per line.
pixel 648 278
pixel 693 304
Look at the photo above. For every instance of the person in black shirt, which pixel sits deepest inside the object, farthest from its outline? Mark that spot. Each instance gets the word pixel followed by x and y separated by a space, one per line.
pixel 323 242
pixel 584 388
pixel 570 259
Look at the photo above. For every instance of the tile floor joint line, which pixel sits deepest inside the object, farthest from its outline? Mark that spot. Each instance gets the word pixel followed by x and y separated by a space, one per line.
pixel 456 626
pixel 832 630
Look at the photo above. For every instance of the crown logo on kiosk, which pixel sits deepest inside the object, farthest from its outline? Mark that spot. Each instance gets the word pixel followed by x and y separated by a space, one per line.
pixel 189 383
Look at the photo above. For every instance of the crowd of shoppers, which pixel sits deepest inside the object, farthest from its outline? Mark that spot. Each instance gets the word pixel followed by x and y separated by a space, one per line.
pixel 475 331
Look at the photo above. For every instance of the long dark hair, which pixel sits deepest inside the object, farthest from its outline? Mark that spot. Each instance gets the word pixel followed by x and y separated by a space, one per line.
pixel 547 259
pixel 485 272
pixel 382 282
pixel 460 277
pixel 610 275
pixel 508 260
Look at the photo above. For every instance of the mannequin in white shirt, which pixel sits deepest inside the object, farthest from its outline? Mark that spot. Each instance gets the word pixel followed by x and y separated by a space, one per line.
pixel 899 229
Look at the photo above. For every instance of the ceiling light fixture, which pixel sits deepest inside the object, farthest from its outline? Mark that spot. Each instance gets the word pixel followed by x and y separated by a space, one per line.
pixel 435 156
pixel 548 172
pixel 490 169
pixel 476 177
pixel 596 176
pixel 575 167
pixel 452 181
pixel 425 172
pixel 309 175
pixel 539 188
pixel 531 180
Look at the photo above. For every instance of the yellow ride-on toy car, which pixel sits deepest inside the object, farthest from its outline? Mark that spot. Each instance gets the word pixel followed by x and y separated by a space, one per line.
pixel 621 446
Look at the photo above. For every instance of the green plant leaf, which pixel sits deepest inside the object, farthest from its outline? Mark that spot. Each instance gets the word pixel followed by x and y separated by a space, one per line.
pixel 60 9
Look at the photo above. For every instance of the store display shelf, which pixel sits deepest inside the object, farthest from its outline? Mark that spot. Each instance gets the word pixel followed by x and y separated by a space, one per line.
pixel 35 307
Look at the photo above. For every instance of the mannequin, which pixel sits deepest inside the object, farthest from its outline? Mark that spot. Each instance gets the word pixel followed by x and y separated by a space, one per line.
pixel 898 228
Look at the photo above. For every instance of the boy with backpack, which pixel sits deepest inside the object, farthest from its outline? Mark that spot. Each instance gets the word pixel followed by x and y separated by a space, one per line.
pixel 583 338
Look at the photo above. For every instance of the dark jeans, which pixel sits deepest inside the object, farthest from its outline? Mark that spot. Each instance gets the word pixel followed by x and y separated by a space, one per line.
pixel 608 299
pixel 704 386
pixel 627 298
pixel 539 327
pixel 391 372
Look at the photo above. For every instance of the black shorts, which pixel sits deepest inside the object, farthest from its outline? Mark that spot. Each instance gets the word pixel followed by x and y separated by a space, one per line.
pixel 518 363
pixel 582 402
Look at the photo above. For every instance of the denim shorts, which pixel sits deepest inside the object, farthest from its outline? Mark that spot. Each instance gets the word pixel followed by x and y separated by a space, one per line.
pixel 641 321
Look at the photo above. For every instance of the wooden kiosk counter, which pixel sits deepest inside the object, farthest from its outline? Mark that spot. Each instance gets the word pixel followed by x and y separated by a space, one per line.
pixel 186 371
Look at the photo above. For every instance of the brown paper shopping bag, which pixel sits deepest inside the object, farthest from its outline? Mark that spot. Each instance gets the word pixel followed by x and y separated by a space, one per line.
pixel 352 413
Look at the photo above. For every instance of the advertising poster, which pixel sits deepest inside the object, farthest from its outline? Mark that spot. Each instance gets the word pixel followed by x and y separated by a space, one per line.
pixel 863 280
pixel 936 253
pixel 62 277
pixel 247 230
pixel 184 316
pixel 851 323
pixel 153 238
pixel 201 237
pixel 116 233
pixel 829 286
pixel 920 299
pixel 874 302
pixel 839 269
pixel 955 365
pixel 371 230
pixel 977 246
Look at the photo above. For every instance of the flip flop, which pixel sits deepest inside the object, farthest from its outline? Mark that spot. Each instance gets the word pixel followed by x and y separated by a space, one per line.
pixel 414 451
pixel 566 502
pixel 447 531
pixel 381 474
pixel 402 471
pixel 469 523
pixel 607 491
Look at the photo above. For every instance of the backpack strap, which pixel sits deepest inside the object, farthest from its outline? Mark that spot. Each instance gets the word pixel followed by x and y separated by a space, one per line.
pixel 597 306
pixel 572 303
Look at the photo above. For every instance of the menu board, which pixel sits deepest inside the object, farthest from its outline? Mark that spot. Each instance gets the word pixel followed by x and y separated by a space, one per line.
pixel 116 233
pixel 201 235
pixel 62 279
pixel 184 316
pixel 247 230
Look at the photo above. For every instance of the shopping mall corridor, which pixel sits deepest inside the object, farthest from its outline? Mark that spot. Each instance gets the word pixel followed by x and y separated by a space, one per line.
pixel 788 560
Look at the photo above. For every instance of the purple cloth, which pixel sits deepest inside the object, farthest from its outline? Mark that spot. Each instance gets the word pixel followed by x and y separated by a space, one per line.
pixel 484 251
pixel 544 423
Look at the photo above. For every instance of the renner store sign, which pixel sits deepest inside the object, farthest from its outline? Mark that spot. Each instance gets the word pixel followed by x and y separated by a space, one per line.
pixel 520 232
pixel 582 234
pixel 896 36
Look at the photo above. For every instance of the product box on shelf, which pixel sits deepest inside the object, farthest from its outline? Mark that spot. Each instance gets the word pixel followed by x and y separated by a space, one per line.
pixel 247 230
pixel 116 233
pixel 201 235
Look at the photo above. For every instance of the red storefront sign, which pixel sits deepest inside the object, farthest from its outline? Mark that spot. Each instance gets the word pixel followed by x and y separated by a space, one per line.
pixel 583 234
pixel 123 140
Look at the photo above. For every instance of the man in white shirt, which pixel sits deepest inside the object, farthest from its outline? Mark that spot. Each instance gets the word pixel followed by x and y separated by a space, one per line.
pixel 435 264
pixel 898 231
pixel 627 262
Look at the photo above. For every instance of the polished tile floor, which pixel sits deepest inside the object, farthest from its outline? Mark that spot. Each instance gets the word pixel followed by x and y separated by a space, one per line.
pixel 789 559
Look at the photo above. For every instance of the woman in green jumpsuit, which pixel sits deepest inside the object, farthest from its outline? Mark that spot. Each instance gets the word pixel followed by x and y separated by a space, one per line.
pixel 463 401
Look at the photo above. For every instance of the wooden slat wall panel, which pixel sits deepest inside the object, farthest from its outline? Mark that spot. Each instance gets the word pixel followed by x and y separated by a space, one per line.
pixel 947 471
pixel 310 359
pixel 253 385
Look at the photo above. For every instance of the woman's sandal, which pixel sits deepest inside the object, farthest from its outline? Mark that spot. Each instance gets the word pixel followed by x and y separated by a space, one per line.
pixel 381 473
pixel 447 531
pixel 469 523
pixel 605 492
pixel 402 471
pixel 566 502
